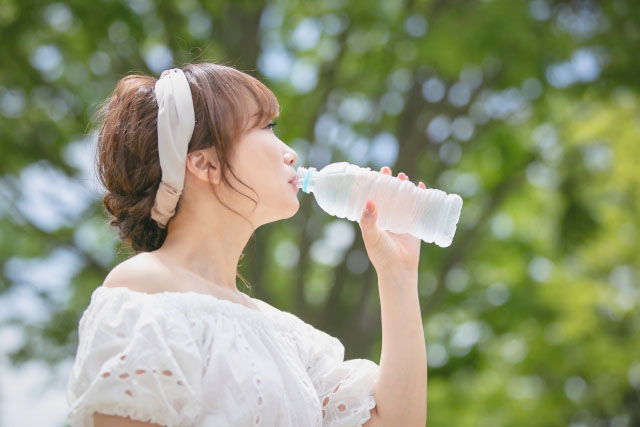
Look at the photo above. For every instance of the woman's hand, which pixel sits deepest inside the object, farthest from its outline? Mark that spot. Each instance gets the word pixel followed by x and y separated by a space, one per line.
pixel 390 253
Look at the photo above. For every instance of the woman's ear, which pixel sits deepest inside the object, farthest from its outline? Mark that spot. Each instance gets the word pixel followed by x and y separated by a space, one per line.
pixel 204 165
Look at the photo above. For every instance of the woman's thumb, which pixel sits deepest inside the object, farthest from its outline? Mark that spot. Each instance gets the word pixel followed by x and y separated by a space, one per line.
pixel 368 220
pixel 371 234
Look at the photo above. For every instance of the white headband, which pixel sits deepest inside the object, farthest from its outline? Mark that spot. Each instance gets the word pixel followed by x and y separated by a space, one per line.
pixel 176 120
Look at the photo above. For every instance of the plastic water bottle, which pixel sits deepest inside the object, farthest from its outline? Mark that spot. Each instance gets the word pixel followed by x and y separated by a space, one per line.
pixel 342 190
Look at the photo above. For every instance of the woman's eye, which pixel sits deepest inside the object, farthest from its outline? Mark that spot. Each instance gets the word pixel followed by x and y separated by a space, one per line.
pixel 271 125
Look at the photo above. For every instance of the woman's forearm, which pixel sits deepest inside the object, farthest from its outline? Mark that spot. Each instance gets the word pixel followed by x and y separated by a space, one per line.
pixel 401 387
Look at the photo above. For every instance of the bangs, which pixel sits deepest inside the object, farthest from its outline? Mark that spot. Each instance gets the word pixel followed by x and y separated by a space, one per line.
pixel 230 102
pixel 259 104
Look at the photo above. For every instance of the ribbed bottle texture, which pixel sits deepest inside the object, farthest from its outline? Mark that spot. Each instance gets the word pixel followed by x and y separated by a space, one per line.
pixel 342 190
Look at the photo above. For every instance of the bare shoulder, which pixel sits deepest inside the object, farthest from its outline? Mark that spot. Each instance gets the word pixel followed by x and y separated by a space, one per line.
pixel 143 273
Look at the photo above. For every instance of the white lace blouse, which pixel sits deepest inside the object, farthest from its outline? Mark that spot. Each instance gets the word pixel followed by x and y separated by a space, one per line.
pixel 191 359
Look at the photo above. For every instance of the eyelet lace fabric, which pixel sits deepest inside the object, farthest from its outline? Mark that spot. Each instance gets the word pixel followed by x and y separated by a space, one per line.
pixel 189 359
pixel 345 388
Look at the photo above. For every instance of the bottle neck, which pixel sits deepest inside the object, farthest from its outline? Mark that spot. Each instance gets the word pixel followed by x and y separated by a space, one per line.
pixel 307 178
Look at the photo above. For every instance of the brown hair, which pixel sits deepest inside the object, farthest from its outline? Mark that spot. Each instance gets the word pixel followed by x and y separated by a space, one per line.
pixel 128 164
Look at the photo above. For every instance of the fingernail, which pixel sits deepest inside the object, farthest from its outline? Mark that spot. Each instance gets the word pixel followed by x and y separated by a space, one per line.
pixel 369 207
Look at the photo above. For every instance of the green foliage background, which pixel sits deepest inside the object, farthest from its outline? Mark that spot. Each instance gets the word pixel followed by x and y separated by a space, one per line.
pixel 531 315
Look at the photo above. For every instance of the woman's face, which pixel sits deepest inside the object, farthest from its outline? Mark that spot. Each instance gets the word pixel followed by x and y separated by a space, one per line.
pixel 265 163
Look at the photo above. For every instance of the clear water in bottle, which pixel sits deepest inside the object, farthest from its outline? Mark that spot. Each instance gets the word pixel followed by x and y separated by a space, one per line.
pixel 342 189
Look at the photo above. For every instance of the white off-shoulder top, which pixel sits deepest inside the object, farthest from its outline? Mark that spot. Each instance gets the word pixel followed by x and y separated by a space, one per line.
pixel 191 359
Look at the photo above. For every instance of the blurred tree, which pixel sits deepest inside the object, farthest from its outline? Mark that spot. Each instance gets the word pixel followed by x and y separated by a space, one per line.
pixel 527 109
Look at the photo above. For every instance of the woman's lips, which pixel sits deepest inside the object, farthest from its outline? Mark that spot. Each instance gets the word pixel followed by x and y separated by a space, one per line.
pixel 294 182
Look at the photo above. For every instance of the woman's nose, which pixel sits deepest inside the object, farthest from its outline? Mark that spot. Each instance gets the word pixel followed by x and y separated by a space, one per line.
pixel 291 157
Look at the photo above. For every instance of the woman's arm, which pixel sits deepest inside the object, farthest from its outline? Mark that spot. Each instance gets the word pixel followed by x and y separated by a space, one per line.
pixel 102 420
pixel 401 387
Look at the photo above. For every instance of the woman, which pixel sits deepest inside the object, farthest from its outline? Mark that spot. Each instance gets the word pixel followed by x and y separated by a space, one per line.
pixel 168 339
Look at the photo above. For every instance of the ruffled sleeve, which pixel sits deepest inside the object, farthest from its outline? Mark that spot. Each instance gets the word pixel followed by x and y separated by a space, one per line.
pixel 135 359
pixel 345 388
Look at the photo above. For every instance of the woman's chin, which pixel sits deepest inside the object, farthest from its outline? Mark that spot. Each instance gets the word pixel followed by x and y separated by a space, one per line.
pixel 287 210
pixel 293 208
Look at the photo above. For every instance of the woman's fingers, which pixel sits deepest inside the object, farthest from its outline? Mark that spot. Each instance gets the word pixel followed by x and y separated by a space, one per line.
pixel 387 171
pixel 403 176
